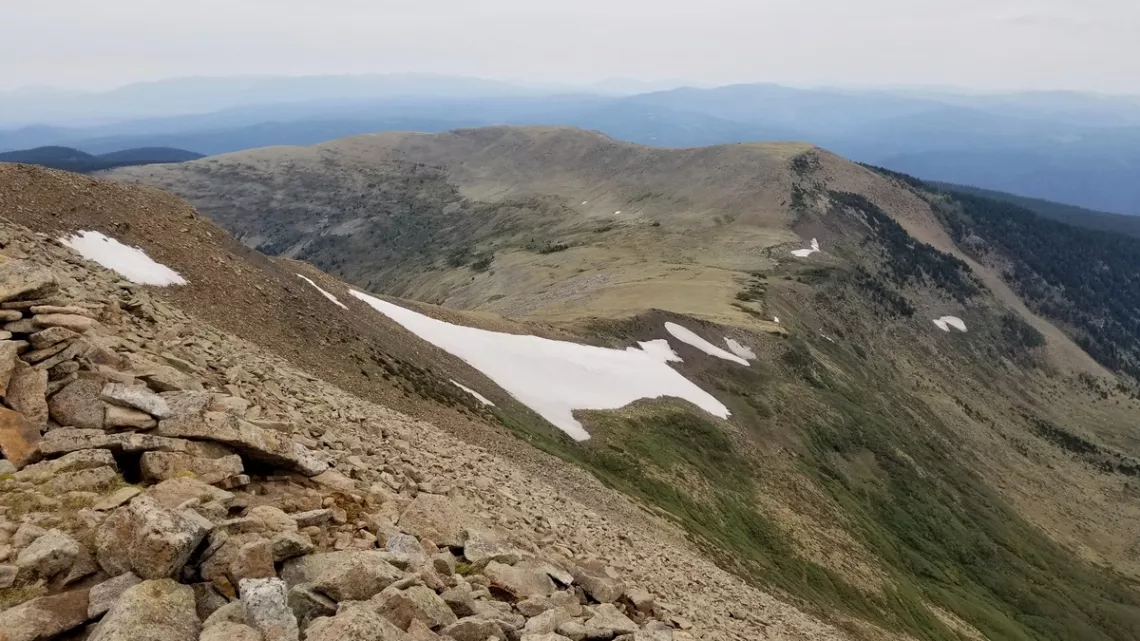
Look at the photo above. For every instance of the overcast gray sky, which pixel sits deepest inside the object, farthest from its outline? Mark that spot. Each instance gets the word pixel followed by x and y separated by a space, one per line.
pixel 989 44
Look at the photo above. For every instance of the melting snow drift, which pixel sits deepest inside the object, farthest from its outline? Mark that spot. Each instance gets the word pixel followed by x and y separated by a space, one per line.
pixel 686 335
pixel 743 351
pixel 131 263
pixel 804 253
pixel 946 322
pixel 327 295
pixel 479 397
pixel 553 378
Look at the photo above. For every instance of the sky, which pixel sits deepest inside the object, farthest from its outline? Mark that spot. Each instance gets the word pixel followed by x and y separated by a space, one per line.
pixel 1088 45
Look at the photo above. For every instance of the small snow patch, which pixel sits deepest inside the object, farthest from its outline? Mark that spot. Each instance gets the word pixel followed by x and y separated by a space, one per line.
pixel 617 212
pixel 479 397
pixel 743 351
pixel 776 318
pixel 131 263
pixel 554 378
pixel 686 335
pixel 585 202
pixel 804 253
pixel 327 295
pixel 658 349
pixel 946 322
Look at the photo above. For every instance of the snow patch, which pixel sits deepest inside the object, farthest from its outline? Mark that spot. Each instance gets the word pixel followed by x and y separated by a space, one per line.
pixel 777 319
pixel 327 295
pixel 617 212
pixel 686 335
pixel 479 397
pixel 131 263
pixel 946 322
pixel 804 253
pixel 660 350
pixel 584 202
pixel 743 351
pixel 554 378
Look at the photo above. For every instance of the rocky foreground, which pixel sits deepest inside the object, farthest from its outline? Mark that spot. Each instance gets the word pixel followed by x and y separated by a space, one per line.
pixel 161 480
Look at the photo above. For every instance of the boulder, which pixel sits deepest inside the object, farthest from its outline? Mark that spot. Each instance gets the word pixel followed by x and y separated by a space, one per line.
pixel 564 599
pixel 307 604
pixel 599 585
pixel 350 575
pixel 92 480
pixel 21 280
pixel 115 416
pixel 230 631
pixel 158 540
pixel 9 357
pixel 8 574
pixel 435 517
pixel 44 618
pixel 49 555
pixel 175 492
pixel 46 338
pixel 253 560
pixel 417 603
pixel 136 397
pixel 640 599
pixel 116 498
pixel 288 545
pixel 654 631
pixel 107 593
pixel 482 545
pixel 334 480
pixel 66 439
pixel 356 624
pixel 27 393
pixel 74 322
pixel 547 622
pixel 473 629
pixel 405 552
pixel 520 581
pixel 460 599
pixel 313 517
pixel 271 519
pixel 19 438
pixel 156 610
pixel 71 462
pixel 265 445
pixel 161 466
pixel 609 622
pixel 40 355
pixel 78 405
pixel 267 609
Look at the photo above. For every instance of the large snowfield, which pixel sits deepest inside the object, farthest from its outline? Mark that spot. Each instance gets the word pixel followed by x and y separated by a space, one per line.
pixel 131 263
pixel 327 295
pixel 554 378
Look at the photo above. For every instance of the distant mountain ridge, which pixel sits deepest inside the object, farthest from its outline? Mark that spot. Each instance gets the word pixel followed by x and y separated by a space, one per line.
pixel 70 159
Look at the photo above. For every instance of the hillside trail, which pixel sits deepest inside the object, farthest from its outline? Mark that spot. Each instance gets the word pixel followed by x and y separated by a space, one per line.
pixel 304 469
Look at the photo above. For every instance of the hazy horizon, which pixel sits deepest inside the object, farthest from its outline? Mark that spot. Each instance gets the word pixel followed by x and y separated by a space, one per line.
pixel 975 45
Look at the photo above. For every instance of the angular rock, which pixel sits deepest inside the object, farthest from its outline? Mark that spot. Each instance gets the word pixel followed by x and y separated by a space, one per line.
pixel 46 338
pixel 75 349
pixel 27 393
pixel 136 397
pixel 255 442
pixel 230 631
pixel 420 632
pixel 8 575
pixel 313 517
pixel 104 595
pixel 23 280
pixel 66 439
pixel 48 555
pixel 19 438
pixel 417 603
pixel 159 540
pixel 356 624
pixel 161 466
pixel 272 519
pixel 599 585
pixel 232 612
pixel 654 631
pixel 253 560
pixel 547 622
pixel 609 622
pixel 333 479
pixel 563 599
pixel 460 599
pixel 545 637
pixel 520 581
pixel 343 576
pixel 117 498
pixel 435 517
pixel 70 462
pixel 74 322
pixel 44 618
pixel 156 610
pixel 26 534
pixel 307 604
pixel 92 480
pixel 60 309
pixel 473 629
pixel 78 405
pixel 267 609
pixel 115 416
pixel 288 545
pixel 39 355
pixel 22 326
pixel 482 545
pixel 175 492
pixel 640 599
pixel 405 552
pixel 9 357
pixel 162 378
pixel 573 630
pixel 207 600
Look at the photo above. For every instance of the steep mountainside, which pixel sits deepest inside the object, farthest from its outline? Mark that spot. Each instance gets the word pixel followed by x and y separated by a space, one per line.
pixel 917 446
pixel 78 161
